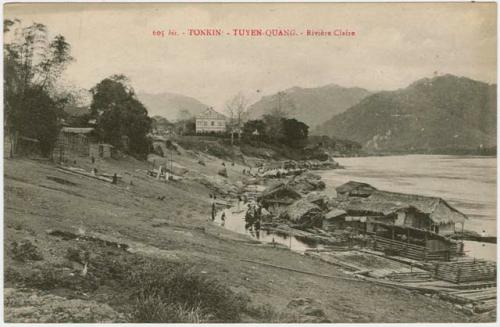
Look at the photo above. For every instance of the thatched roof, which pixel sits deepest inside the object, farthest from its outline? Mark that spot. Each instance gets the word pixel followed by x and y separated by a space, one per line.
pixel 279 191
pixel 374 208
pixel 437 209
pixel 335 213
pixel 353 186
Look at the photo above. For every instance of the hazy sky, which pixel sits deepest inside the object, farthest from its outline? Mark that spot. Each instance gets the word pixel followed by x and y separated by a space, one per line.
pixel 394 45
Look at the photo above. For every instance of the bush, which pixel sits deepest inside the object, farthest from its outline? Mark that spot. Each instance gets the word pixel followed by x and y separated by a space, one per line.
pixel 153 309
pixel 25 251
pixel 178 294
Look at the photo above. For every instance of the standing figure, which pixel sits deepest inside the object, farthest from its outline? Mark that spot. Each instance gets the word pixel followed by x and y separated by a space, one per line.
pixel 214 211
pixel 223 218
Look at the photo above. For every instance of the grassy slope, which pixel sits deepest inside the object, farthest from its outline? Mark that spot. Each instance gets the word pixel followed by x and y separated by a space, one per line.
pixel 34 204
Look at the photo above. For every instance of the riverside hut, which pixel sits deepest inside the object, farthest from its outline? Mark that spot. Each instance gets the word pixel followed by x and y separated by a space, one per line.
pixel 412 225
pixel 278 197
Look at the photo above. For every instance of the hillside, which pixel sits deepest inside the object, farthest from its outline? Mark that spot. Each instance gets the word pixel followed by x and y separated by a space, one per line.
pixel 168 104
pixel 445 114
pixel 312 105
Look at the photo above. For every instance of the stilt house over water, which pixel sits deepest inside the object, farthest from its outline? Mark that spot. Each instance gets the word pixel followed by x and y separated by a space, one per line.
pixel 414 226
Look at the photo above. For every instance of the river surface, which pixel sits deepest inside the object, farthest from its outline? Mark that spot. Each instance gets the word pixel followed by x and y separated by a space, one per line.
pixel 235 221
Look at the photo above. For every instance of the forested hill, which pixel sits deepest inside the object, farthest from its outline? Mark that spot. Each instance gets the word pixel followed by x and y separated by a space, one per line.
pixel 445 114
pixel 311 105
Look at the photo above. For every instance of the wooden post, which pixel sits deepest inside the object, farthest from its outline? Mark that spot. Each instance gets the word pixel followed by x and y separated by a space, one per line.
pixel 425 247
pixel 392 243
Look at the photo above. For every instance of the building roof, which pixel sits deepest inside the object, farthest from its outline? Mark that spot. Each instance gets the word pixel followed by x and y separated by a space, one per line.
pixel 352 185
pixel 210 113
pixel 439 211
pixel 335 213
pixel 375 208
pixel 385 203
pixel 77 130
pixel 279 191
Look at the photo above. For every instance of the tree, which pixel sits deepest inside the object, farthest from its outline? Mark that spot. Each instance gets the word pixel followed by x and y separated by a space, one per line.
pixel 236 109
pixel 294 132
pixel 273 128
pixel 120 114
pixel 32 65
pixel 254 129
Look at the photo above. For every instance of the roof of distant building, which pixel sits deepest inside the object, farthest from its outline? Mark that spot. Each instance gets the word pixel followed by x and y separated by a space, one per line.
pixel 210 113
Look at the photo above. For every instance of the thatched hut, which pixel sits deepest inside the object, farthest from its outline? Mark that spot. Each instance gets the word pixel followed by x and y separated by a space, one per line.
pixel 304 213
pixel 414 225
pixel 422 212
pixel 277 197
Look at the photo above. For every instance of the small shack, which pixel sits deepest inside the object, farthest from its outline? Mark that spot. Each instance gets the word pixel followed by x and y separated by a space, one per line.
pixel 75 140
pixel 354 189
pixel 277 197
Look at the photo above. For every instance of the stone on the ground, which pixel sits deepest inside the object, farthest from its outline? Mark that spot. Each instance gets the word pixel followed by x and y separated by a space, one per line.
pixel 222 172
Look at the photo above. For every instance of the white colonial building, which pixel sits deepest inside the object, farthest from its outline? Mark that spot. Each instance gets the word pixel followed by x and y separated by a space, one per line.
pixel 210 121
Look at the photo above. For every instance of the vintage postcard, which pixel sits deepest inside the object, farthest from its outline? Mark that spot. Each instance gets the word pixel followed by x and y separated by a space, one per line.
pixel 250 162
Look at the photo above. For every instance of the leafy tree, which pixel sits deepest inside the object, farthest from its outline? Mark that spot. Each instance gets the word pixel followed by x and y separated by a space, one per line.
pixel 273 127
pixel 32 65
pixel 294 132
pixel 120 114
pixel 254 129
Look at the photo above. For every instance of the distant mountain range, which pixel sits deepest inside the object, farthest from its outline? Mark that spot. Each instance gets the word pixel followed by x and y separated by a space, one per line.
pixel 168 104
pixel 312 106
pixel 435 115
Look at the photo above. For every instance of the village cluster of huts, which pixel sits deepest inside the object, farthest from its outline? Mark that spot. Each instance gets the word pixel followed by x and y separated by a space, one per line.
pixel 413 226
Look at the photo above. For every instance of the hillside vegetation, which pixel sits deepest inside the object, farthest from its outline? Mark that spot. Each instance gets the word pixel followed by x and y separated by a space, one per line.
pixel 445 114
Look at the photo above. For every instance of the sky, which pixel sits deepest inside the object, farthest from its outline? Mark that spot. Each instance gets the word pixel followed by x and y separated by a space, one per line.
pixel 394 45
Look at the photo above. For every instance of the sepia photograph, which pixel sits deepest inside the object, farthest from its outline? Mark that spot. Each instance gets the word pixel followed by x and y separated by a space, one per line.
pixel 250 162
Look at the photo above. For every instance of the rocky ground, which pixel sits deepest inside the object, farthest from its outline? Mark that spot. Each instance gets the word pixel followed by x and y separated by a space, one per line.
pixel 73 243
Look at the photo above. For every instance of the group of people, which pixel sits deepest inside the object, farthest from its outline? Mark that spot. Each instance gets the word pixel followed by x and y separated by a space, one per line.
pixel 253 216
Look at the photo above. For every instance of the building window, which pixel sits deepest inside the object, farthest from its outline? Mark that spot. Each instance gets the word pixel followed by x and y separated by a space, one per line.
pixel 212 123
